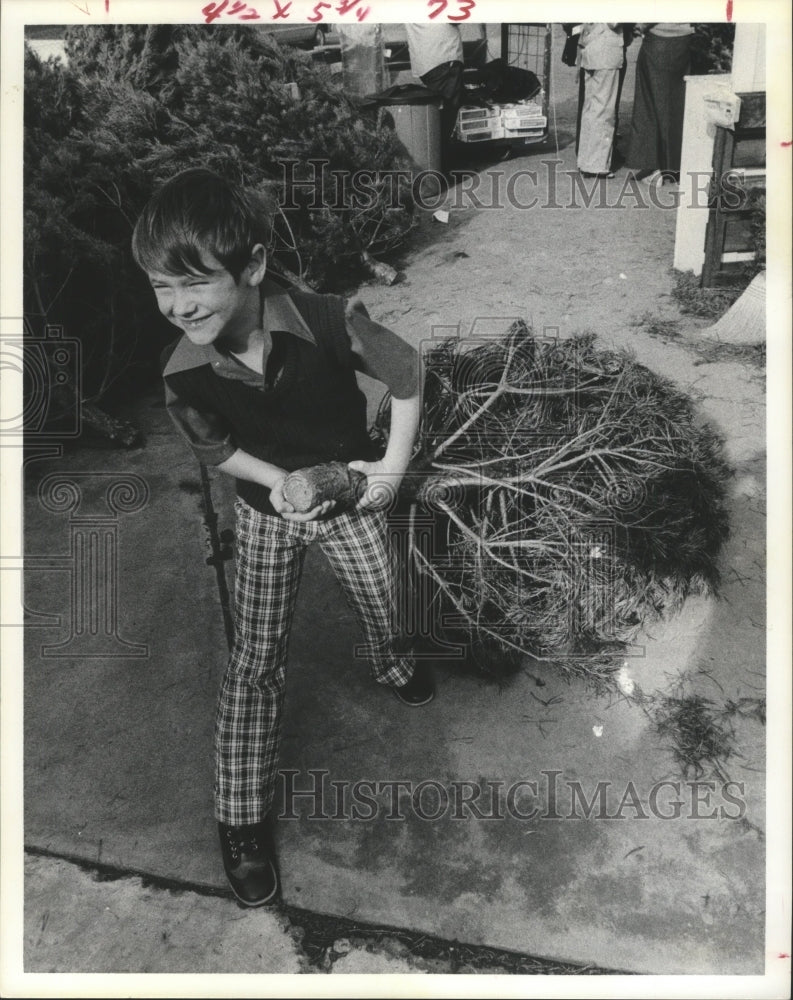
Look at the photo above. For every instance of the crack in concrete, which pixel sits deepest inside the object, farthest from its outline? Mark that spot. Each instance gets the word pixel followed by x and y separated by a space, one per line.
pixel 322 940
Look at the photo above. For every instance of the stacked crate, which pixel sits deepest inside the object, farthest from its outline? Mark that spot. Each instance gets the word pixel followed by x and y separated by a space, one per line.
pixel 479 124
pixel 523 120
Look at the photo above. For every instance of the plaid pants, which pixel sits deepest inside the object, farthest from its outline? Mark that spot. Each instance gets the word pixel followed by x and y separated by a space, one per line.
pixel 270 554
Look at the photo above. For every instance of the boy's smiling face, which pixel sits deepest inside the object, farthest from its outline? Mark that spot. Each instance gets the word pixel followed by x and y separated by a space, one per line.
pixel 213 306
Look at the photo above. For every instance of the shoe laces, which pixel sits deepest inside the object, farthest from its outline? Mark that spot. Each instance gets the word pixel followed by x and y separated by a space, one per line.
pixel 241 844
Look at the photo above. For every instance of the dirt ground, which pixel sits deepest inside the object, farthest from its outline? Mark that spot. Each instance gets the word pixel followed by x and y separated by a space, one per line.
pixel 567 268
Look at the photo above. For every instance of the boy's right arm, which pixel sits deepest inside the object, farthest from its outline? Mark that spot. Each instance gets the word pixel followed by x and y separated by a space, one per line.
pixel 245 466
pixel 242 465
pixel 212 444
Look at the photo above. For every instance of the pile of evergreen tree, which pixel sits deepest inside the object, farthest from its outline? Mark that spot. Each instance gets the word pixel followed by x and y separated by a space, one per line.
pixel 711 48
pixel 135 105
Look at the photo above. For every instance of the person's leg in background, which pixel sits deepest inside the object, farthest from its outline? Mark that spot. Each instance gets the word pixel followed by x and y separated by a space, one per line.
pixel 671 67
pixel 598 121
pixel 644 146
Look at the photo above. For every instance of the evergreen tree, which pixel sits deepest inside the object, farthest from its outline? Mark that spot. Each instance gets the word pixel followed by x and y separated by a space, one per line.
pixel 135 105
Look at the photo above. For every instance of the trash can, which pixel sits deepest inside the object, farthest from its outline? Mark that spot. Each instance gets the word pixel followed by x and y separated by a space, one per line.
pixel 415 113
pixel 362 58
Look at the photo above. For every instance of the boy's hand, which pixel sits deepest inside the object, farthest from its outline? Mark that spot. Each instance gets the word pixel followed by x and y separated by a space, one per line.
pixel 287 511
pixel 382 484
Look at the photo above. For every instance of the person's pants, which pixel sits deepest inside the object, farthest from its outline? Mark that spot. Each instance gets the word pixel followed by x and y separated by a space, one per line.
pixel 582 95
pixel 270 553
pixel 659 103
pixel 446 80
pixel 598 119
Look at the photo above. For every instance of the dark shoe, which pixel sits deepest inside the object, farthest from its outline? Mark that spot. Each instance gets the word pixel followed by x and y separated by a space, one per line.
pixel 419 690
pixel 605 174
pixel 249 866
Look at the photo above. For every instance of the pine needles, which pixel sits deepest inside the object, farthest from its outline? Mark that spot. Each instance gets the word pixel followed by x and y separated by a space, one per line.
pixel 698 735
pixel 708 303
pixel 575 494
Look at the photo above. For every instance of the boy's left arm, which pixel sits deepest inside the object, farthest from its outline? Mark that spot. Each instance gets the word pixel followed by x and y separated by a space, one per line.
pixel 384 355
pixel 384 476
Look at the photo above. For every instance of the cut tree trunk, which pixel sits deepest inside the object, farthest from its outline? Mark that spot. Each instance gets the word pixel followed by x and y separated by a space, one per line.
pixel 305 489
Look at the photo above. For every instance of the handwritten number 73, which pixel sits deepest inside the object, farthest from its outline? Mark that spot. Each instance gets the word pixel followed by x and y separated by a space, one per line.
pixel 464 8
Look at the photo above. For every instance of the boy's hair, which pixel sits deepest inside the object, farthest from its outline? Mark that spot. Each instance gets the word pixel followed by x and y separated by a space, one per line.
pixel 198 211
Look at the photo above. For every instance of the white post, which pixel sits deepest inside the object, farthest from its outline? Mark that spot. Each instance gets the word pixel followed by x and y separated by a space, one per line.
pixel 748 59
pixel 699 132
pixel 696 166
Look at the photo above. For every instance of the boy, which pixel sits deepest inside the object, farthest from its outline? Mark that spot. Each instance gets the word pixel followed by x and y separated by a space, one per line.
pixel 262 382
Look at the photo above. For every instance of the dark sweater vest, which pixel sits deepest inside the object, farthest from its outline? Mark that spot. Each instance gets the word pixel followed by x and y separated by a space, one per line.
pixel 315 412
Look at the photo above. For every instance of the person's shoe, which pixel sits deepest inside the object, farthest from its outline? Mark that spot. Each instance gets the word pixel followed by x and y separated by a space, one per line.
pixel 649 177
pixel 419 690
pixel 248 864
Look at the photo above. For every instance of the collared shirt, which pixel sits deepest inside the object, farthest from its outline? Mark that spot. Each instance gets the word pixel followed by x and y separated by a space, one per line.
pixel 432 45
pixel 376 351
pixel 601 46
